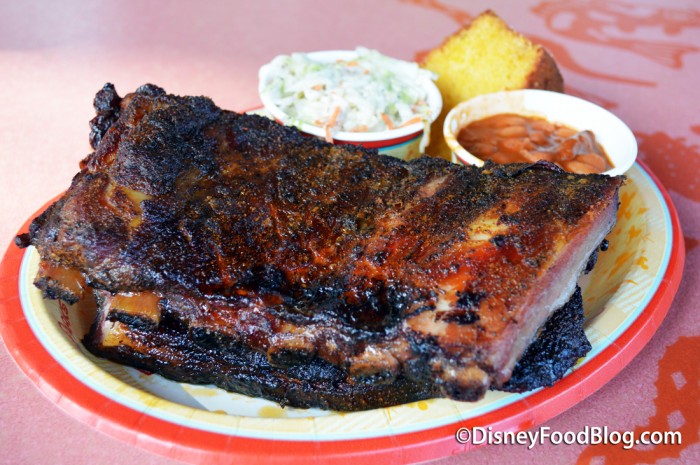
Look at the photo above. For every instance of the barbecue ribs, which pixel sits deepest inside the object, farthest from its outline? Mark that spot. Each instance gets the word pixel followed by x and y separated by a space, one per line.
pixel 227 249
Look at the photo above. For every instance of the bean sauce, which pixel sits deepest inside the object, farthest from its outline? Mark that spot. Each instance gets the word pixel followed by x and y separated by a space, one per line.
pixel 511 138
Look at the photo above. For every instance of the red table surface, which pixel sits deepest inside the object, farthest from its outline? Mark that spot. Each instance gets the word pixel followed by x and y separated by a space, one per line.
pixel 641 60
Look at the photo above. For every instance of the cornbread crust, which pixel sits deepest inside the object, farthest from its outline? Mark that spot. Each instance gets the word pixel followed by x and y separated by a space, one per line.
pixel 545 74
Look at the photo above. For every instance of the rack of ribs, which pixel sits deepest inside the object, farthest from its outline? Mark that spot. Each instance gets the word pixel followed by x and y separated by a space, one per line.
pixel 227 249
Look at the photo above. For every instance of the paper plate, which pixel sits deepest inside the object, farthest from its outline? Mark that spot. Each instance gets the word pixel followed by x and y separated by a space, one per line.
pixel 626 298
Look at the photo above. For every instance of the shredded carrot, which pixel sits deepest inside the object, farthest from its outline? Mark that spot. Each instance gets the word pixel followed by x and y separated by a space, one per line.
pixel 352 63
pixel 387 121
pixel 331 123
pixel 334 117
pixel 360 128
pixel 317 87
pixel 415 119
pixel 419 103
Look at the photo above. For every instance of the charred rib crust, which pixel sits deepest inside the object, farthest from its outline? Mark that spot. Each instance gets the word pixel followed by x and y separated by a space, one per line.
pixel 106 105
pixel 315 383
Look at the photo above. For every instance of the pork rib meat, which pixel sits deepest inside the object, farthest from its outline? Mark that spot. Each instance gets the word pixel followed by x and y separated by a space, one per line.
pixel 225 248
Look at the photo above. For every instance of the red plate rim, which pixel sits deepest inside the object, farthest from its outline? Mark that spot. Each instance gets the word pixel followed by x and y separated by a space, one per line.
pixel 197 446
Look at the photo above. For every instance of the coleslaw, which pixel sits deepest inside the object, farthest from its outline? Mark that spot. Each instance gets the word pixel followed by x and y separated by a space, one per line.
pixel 368 93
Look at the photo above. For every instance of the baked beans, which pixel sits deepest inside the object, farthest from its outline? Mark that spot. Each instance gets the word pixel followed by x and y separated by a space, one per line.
pixel 512 138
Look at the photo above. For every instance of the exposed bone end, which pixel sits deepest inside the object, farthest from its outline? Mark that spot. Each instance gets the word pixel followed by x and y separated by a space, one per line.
pixel 114 334
pixel 467 384
pixel 291 350
pixel 136 309
pixel 59 282
pixel 374 365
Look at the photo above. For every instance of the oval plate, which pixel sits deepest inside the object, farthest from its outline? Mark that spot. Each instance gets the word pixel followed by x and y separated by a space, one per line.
pixel 626 298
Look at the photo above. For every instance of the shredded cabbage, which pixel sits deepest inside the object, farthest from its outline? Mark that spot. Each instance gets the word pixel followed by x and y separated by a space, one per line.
pixel 367 94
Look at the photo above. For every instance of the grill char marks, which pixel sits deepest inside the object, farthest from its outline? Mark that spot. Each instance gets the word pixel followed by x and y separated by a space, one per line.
pixel 422 273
